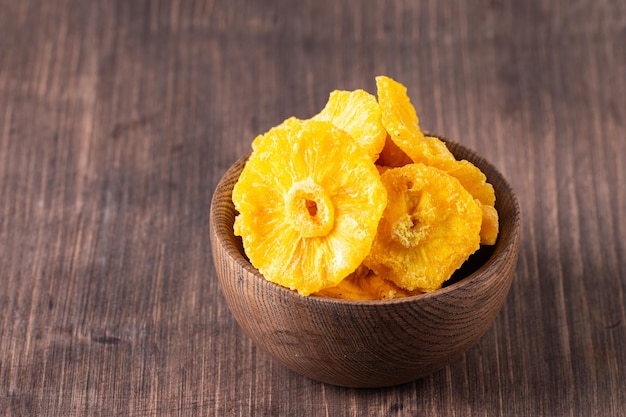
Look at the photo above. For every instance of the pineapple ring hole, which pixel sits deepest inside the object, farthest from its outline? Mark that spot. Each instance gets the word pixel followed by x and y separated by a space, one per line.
pixel 414 225
pixel 310 208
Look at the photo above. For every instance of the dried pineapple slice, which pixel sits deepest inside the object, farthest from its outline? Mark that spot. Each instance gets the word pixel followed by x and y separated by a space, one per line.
pixel 430 226
pixel 358 113
pixel 309 201
pixel 364 284
pixel 475 182
pixel 401 121
pixel 490 227
pixel 470 176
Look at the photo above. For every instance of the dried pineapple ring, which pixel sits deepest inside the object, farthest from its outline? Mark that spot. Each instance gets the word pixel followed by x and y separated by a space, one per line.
pixel 311 208
pixel 364 284
pixel 400 120
pixel 358 113
pixel 471 177
pixel 309 202
pixel 430 226
pixel 489 228
pixel 475 182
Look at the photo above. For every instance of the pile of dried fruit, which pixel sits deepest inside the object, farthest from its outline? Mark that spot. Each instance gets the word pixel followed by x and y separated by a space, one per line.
pixel 358 203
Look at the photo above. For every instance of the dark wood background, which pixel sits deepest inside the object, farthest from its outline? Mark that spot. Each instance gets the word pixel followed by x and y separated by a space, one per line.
pixel 118 118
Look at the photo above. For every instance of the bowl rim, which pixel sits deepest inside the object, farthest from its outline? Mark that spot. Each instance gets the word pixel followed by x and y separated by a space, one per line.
pixel 218 233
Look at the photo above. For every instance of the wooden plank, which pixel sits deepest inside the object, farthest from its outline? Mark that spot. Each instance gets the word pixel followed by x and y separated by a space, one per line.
pixel 117 120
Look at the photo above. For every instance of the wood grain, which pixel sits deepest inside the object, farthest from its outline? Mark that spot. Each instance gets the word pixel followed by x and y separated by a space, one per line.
pixel 118 118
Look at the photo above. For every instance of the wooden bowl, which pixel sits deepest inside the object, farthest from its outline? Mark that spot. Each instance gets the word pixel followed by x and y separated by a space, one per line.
pixel 368 343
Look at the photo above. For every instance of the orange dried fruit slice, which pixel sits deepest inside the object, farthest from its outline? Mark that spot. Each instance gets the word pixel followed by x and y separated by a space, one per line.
pixel 364 284
pixel 401 122
pixel 490 225
pixel 475 182
pixel 358 113
pixel 470 176
pixel 430 226
pixel 309 201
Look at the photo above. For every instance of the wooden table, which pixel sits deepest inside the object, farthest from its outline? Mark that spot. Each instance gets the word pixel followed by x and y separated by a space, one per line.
pixel 118 118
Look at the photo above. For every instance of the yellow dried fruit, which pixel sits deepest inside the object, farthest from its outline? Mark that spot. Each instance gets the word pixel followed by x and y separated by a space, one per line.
pixel 364 284
pixel 430 226
pixel 309 201
pixel 358 113
pixel 400 120
pixel 490 226
pixel 470 176
pixel 358 203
